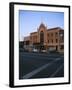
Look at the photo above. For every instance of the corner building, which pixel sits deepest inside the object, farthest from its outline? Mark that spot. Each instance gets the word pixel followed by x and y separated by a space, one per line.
pixel 45 39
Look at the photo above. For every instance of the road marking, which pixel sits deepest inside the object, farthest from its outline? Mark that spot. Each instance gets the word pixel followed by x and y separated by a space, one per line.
pixel 57 71
pixel 39 69
pixel 36 71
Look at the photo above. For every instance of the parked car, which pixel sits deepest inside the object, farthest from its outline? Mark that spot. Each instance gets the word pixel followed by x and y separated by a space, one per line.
pixel 53 51
pixel 44 51
pixel 35 50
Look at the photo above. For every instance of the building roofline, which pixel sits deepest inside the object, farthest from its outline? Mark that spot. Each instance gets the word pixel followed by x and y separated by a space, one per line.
pixel 33 32
pixel 55 28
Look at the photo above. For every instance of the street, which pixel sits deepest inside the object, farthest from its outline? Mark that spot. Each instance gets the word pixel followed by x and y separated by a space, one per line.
pixel 40 65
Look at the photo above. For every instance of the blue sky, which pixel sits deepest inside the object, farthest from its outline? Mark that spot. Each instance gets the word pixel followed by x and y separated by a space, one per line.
pixel 29 21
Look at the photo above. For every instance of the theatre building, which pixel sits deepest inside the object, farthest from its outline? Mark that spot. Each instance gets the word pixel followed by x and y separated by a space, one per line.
pixel 45 39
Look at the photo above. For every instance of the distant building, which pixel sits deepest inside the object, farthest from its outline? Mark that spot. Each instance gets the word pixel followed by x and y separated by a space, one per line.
pixel 21 44
pixel 45 39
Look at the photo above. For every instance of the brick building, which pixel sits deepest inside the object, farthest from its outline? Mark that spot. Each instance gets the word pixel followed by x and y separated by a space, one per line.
pixel 45 39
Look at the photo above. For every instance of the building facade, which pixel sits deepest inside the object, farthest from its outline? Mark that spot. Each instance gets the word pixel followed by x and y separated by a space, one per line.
pixel 45 39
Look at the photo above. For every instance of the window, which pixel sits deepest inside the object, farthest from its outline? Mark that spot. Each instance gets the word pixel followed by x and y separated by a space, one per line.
pixel 51 34
pixel 62 47
pixel 56 34
pixel 61 37
pixel 48 41
pixel 27 42
pixel 56 40
pixel 48 35
pixel 52 41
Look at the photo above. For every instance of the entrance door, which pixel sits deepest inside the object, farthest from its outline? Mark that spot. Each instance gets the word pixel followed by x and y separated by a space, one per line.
pixel 41 40
pixel 41 37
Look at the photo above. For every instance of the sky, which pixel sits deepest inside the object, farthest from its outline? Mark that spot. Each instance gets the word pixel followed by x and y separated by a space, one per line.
pixel 29 21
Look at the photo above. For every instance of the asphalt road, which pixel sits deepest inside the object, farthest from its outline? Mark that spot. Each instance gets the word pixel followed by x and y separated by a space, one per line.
pixel 40 65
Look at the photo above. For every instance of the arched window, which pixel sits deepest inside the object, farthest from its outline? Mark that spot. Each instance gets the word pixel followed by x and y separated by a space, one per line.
pixel 41 37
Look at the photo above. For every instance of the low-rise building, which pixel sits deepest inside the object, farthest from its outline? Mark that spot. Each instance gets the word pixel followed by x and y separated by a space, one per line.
pixel 45 39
